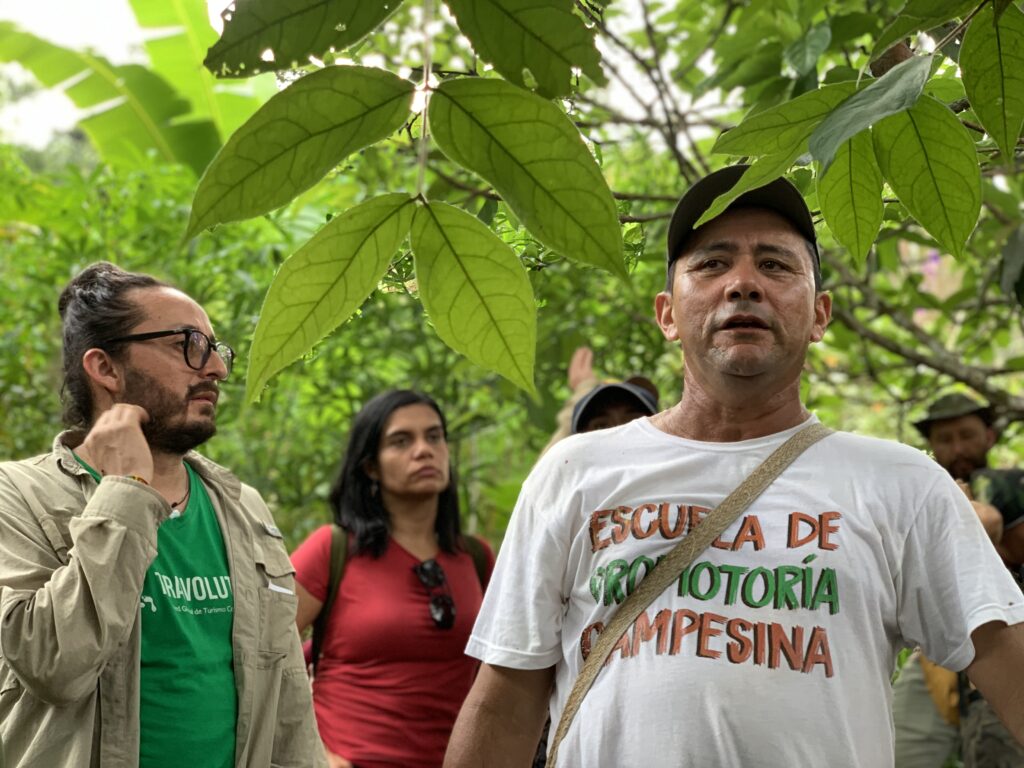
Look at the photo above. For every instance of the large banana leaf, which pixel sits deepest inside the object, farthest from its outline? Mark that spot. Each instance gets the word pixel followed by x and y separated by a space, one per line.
pixel 132 110
pixel 176 53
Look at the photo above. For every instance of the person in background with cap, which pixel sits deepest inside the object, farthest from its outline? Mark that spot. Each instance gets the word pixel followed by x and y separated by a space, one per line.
pixel 775 647
pixel 597 405
pixel 934 708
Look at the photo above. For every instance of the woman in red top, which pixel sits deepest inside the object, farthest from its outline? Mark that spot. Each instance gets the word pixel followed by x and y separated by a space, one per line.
pixel 393 673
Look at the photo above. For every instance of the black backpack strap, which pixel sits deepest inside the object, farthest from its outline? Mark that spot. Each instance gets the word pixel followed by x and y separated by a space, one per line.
pixel 339 554
pixel 475 549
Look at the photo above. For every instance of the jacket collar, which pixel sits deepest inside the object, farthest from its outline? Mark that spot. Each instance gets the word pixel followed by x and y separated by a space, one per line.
pixel 213 473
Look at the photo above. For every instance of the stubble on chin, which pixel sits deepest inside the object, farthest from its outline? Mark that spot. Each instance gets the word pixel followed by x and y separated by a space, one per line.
pixel 734 361
pixel 169 429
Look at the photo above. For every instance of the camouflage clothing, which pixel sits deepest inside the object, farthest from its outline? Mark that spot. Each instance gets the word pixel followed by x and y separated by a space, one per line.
pixel 1004 490
pixel 986 742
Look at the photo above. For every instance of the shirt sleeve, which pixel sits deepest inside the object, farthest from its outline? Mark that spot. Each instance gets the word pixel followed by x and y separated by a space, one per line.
pixel 951 579
pixel 519 624
pixel 312 561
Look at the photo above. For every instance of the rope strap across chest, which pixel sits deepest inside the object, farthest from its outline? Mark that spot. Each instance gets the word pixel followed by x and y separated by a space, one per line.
pixel 678 559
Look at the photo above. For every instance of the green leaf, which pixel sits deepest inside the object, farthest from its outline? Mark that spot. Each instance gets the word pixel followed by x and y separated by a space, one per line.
pixel 178 34
pixel 475 291
pixel 1000 8
pixel 841 73
pixel 266 35
pixel 781 128
pixel 759 65
pixel 946 89
pixel 534 156
pixel 295 138
pixel 896 90
pixel 133 111
pixel 929 160
pixel 546 38
pixel 1011 279
pixel 918 15
pixel 762 171
pixel 850 195
pixel 487 211
pixel 992 65
pixel 849 26
pixel 320 285
pixel 803 55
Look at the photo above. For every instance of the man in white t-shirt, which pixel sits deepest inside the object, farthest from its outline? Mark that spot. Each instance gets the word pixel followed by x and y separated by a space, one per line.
pixel 775 647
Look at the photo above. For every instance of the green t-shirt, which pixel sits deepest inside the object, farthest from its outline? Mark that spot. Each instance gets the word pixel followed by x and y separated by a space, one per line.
pixel 188 707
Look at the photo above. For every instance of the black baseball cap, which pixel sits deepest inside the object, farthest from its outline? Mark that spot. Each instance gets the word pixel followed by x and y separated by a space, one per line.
pixel 779 196
pixel 631 389
pixel 953 406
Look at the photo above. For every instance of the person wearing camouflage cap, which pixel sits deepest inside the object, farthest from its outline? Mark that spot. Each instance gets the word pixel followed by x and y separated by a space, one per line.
pixel 934 709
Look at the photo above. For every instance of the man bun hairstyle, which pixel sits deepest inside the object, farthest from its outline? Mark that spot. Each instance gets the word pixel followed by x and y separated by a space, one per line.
pixel 95 307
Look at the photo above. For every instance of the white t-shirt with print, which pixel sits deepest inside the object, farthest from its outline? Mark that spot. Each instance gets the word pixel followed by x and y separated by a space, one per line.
pixel 776 647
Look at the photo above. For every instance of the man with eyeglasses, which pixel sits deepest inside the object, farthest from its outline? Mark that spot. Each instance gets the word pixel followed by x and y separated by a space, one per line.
pixel 147 602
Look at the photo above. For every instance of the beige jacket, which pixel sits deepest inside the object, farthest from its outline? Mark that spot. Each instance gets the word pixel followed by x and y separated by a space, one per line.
pixel 73 556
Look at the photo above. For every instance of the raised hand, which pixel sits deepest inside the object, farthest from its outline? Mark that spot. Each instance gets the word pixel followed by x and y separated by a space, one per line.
pixel 116 446
pixel 581 366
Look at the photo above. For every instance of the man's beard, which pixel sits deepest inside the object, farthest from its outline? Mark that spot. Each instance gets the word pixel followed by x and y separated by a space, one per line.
pixel 963 467
pixel 166 431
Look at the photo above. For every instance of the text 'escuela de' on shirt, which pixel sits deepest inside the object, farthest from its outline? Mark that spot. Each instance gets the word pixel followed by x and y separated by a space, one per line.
pixel 384 660
pixel 776 646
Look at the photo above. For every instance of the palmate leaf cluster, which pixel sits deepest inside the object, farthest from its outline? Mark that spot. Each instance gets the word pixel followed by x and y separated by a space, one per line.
pixel 866 135
pixel 472 284
pixel 888 130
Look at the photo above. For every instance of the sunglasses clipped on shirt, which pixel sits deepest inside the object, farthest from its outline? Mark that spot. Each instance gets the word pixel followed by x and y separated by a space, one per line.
pixel 197 346
pixel 442 606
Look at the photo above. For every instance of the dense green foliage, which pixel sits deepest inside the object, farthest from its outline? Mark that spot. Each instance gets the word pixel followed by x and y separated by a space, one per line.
pixel 910 157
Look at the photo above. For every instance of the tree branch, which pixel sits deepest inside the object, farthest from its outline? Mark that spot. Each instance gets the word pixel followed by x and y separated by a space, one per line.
pixel 1011 407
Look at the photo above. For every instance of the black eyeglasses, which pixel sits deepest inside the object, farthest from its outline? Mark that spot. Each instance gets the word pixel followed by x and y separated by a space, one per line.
pixel 442 607
pixel 197 347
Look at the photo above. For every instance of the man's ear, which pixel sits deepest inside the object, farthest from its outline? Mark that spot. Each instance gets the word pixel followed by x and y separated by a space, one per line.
pixel 665 316
pixel 822 315
pixel 105 373
pixel 990 438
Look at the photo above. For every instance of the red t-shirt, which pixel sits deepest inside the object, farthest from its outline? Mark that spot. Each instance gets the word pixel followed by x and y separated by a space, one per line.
pixel 389 683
